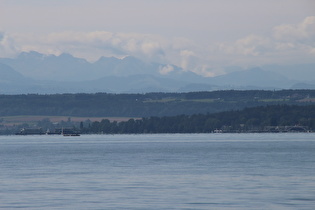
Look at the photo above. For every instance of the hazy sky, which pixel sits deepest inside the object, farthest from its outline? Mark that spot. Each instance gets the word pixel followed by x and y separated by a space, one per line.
pixel 199 35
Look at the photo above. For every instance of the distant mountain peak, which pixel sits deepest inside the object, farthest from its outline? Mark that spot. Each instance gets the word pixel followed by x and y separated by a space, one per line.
pixel 133 59
pixel 66 55
pixel 256 69
pixel 68 73
pixel 103 58
pixel 30 55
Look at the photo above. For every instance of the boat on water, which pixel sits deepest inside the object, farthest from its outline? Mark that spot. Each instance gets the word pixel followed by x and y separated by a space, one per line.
pixel 69 132
pixel 30 131
pixel 39 131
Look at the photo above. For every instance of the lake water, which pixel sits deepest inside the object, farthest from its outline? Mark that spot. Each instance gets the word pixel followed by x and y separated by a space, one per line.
pixel 173 171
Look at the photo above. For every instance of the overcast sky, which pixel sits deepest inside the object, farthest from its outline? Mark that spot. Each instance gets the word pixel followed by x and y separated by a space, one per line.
pixel 199 35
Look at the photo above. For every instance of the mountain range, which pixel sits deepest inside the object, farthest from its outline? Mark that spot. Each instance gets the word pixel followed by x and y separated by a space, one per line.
pixel 33 72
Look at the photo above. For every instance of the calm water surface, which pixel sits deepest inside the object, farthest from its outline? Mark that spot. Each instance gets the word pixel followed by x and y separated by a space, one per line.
pixel 176 171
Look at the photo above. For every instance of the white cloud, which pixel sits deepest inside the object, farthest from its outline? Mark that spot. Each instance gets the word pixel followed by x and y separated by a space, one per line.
pixel 290 43
pixel 251 45
pixel 7 47
pixel 92 45
pixel 189 60
pixel 297 37
pixel 187 53
pixel 299 32
pixel 166 69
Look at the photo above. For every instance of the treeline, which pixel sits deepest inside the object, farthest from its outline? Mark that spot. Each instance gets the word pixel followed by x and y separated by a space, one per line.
pixel 149 104
pixel 257 119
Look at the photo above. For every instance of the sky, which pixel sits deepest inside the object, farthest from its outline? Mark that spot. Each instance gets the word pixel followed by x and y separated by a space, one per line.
pixel 203 36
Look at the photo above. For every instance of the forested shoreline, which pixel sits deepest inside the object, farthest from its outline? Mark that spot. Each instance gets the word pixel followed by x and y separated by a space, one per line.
pixel 270 118
pixel 276 118
pixel 193 112
pixel 149 104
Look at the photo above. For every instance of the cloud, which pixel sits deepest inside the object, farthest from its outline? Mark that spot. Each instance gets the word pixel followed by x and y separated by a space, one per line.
pixel 252 45
pixel 92 45
pixel 299 32
pixel 166 69
pixel 188 59
pixel 7 47
pixel 297 37
pixel 288 43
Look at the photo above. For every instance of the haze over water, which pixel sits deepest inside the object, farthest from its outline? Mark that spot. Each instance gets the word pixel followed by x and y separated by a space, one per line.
pixel 195 171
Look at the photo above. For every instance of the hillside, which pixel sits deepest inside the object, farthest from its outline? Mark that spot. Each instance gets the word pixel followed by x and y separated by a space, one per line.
pixel 149 104
pixel 271 118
